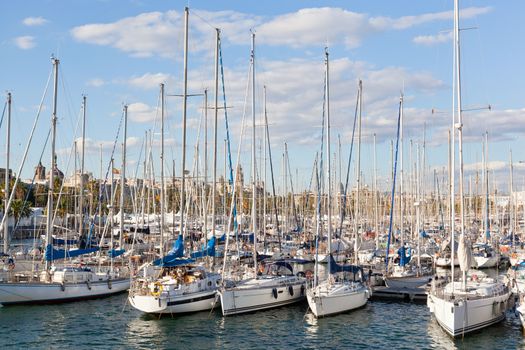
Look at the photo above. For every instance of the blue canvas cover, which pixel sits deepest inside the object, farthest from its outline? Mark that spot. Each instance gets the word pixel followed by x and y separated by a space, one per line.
pixel 208 250
pixel 335 267
pixel 113 253
pixel 176 252
pixel 55 254
pixel 405 255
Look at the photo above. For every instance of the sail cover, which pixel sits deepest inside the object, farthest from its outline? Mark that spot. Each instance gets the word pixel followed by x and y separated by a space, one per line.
pixel 176 252
pixel 405 255
pixel 208 250
pixel 464 254
pixel 55 254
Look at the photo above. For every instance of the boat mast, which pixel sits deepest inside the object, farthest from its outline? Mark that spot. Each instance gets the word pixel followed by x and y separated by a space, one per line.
pixel 376 202
pixel 49 219
pixel 162 194
pixel 184 110
pixel 328 173
pixel 254 163
pixel 459 124
pixel 7 178
pixel 358 175
pixel 215 140
pixel 81 197
pixel 123 176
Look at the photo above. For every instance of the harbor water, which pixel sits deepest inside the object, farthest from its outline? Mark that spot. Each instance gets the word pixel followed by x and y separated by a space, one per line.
pixel 112 324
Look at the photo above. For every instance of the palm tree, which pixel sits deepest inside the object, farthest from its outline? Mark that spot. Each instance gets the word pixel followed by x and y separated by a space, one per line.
pixel 20 209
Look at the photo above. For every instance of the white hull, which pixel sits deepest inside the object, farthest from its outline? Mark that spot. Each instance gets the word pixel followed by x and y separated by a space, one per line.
pixel 407 282
pixel 465 315
pixel 193 302
pixel 482 262
pixel 445 262
pixel 176 295
pixel 521 312
pixel 41 292
pixel 328 299
pixel 264 293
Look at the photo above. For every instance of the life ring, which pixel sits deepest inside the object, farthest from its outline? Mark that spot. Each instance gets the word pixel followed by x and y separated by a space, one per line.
pixel 290 290
pixel 274 293
pixel 157 289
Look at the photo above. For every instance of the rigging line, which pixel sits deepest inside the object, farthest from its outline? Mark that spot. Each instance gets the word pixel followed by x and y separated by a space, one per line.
pixel 231 180
pixel 393 188
pixel 232 216
pixel 26 199
pixel 195 13
pixel 343 209
pixel 3 113
pixel 72 149
pixel 26 151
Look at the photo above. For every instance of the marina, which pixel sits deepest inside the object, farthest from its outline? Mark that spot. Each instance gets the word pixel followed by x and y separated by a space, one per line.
pixel 237 213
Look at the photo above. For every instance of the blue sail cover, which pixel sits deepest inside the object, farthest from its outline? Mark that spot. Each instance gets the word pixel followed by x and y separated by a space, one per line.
pixel 176 252
pixel 335 267
pixel 208 250
pixel 405 255
pixel 60 241
pixel 113 253
pixel 55 254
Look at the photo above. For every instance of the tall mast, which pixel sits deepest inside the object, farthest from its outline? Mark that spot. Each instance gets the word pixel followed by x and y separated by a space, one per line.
pixel 215 127
pixel 100 195
pixel 49 226
pixel 328 165
pixel 81 197
pixel 205 177
pixel 6 187
pixel 486 175
pixel 401 181
pixel 254 161
pixel 264 169
pixel 376 204
pixel 358 174
pixel 123 177
pixel 162 194
pixel 184 110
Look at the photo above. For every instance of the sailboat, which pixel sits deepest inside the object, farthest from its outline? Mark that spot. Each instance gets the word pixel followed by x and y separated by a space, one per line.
pixel 59 283
pixel 336 294
pixel 271 287
pixel 174 283
pixel 473 303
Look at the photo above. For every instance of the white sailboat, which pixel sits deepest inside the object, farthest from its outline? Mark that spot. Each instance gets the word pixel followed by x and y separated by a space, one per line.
pixel 59 284
pixel 173 284
pixel 277 285
pixel 474 303
pixel 335 294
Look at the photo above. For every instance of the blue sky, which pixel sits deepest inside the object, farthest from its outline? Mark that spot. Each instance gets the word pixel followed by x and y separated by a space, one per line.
pixel 117 52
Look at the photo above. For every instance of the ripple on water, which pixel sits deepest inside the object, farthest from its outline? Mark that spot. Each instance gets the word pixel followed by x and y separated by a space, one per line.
pixel 110 323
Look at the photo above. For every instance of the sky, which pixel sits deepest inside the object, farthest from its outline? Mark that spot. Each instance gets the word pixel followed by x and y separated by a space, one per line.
pixel 118 52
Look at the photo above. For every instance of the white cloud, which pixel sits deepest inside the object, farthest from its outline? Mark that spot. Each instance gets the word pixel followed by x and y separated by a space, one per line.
pixel 34 21
pixel 141 113
pixel 96 82
pixel 158 33
pixel 430 40
pixel 149 80
pixel 24 42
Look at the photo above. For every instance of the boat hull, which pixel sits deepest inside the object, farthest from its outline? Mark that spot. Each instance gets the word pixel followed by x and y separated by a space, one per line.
pixel 193 302
pixel 46 293
pixel 407 282
pixel 336 299
pixel 460 317
pixel 255 296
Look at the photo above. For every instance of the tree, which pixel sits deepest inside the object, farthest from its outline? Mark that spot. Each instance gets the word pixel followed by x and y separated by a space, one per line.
pixel 20 209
